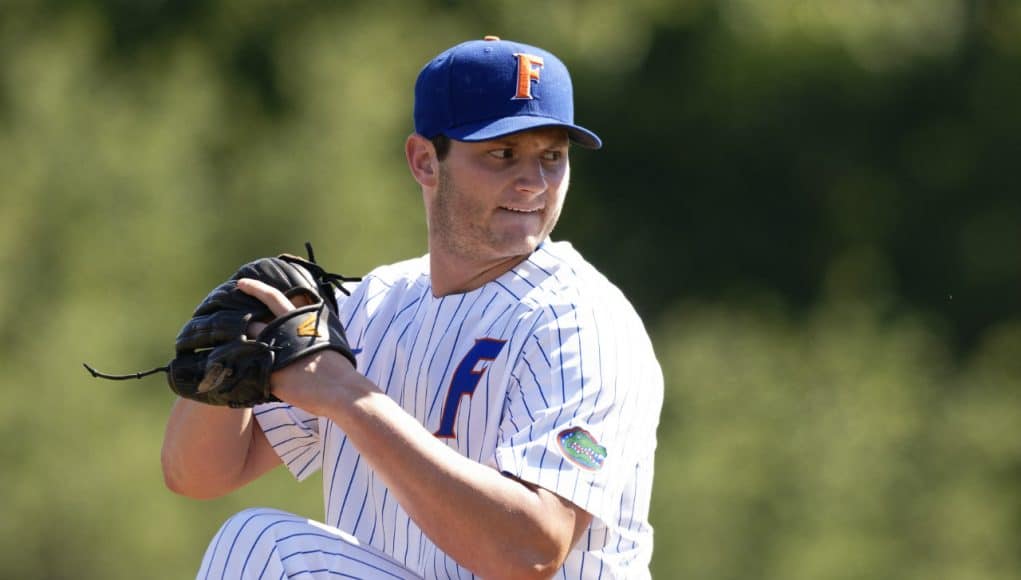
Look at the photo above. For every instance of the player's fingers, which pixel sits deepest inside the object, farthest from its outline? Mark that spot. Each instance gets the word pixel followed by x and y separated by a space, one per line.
pixel 255 329
pixel 274 299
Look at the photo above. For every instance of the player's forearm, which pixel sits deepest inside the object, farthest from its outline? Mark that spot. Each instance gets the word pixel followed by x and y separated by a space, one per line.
pixel 490 523
pixel 205 448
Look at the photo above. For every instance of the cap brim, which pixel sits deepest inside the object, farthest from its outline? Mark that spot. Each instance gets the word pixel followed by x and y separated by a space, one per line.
pixel 486 130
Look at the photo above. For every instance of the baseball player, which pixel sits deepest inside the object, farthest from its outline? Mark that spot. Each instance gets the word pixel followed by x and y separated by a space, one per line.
pixel 500 420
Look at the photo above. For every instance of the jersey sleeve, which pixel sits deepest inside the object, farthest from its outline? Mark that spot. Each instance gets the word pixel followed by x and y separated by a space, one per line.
pixel 294 435
pixel 581 409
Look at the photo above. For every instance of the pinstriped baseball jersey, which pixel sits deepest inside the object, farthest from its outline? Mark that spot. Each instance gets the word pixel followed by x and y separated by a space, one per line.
pixel 545 373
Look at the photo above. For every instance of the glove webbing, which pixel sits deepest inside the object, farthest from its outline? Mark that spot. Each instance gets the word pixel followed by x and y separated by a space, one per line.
pixel 325 281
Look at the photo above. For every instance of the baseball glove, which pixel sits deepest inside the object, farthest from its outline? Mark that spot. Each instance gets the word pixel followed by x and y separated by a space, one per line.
pixel 217 363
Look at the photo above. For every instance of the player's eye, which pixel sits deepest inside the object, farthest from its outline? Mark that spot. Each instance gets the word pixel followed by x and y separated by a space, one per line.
pixel 554 155
pixel 504 153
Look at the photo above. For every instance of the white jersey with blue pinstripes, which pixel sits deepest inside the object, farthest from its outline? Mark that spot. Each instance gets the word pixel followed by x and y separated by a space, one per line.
pixel 545 373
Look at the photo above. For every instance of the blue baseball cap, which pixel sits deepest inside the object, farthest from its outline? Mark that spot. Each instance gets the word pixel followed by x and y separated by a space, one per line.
pixel 484 89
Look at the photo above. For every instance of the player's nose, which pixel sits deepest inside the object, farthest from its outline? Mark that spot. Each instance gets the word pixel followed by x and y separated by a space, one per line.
pixel 533 178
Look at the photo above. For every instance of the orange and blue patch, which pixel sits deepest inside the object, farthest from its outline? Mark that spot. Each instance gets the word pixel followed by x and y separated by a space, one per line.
pixel 528 71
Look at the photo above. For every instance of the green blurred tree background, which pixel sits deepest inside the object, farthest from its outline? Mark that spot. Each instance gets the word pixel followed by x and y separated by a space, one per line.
pixel 814 205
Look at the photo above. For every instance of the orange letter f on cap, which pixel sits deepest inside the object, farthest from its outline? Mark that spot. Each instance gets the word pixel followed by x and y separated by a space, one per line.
pixel 528 71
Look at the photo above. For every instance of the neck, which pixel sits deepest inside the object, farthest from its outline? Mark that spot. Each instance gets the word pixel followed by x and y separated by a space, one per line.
pixel 456 275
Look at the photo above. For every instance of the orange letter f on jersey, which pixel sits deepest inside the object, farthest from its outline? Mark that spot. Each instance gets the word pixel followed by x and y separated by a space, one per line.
pixel 528 71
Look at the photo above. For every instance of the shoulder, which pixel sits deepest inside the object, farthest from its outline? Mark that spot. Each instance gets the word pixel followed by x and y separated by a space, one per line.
pixel 396 276
pixel 568 280
pixel 399 273
pixel 387 283
pixel 586 332
pixel 567 294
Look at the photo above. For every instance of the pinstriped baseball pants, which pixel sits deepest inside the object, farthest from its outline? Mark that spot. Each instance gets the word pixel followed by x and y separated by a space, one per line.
pixel 271 544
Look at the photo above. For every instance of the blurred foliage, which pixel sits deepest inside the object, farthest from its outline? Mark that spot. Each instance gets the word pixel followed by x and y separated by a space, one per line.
pixel 842 446
pixel 813 204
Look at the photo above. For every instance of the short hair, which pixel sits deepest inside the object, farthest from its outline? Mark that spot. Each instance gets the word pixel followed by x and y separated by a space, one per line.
pixel 442 145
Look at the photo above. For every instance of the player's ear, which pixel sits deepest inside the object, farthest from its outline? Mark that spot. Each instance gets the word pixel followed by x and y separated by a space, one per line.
pixel 422 160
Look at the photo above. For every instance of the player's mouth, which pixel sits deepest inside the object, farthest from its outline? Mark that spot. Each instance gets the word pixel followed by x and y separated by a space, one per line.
pixel 523 210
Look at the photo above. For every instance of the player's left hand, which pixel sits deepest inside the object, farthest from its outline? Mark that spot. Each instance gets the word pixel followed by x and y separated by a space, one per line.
pixel 223 359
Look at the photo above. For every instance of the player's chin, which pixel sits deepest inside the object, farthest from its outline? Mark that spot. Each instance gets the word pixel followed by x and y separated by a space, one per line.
pixel 518 245
pixel 520 235
pixel 522 228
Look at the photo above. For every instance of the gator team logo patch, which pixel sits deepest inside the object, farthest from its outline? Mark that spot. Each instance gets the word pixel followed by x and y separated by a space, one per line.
pixel 581 448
